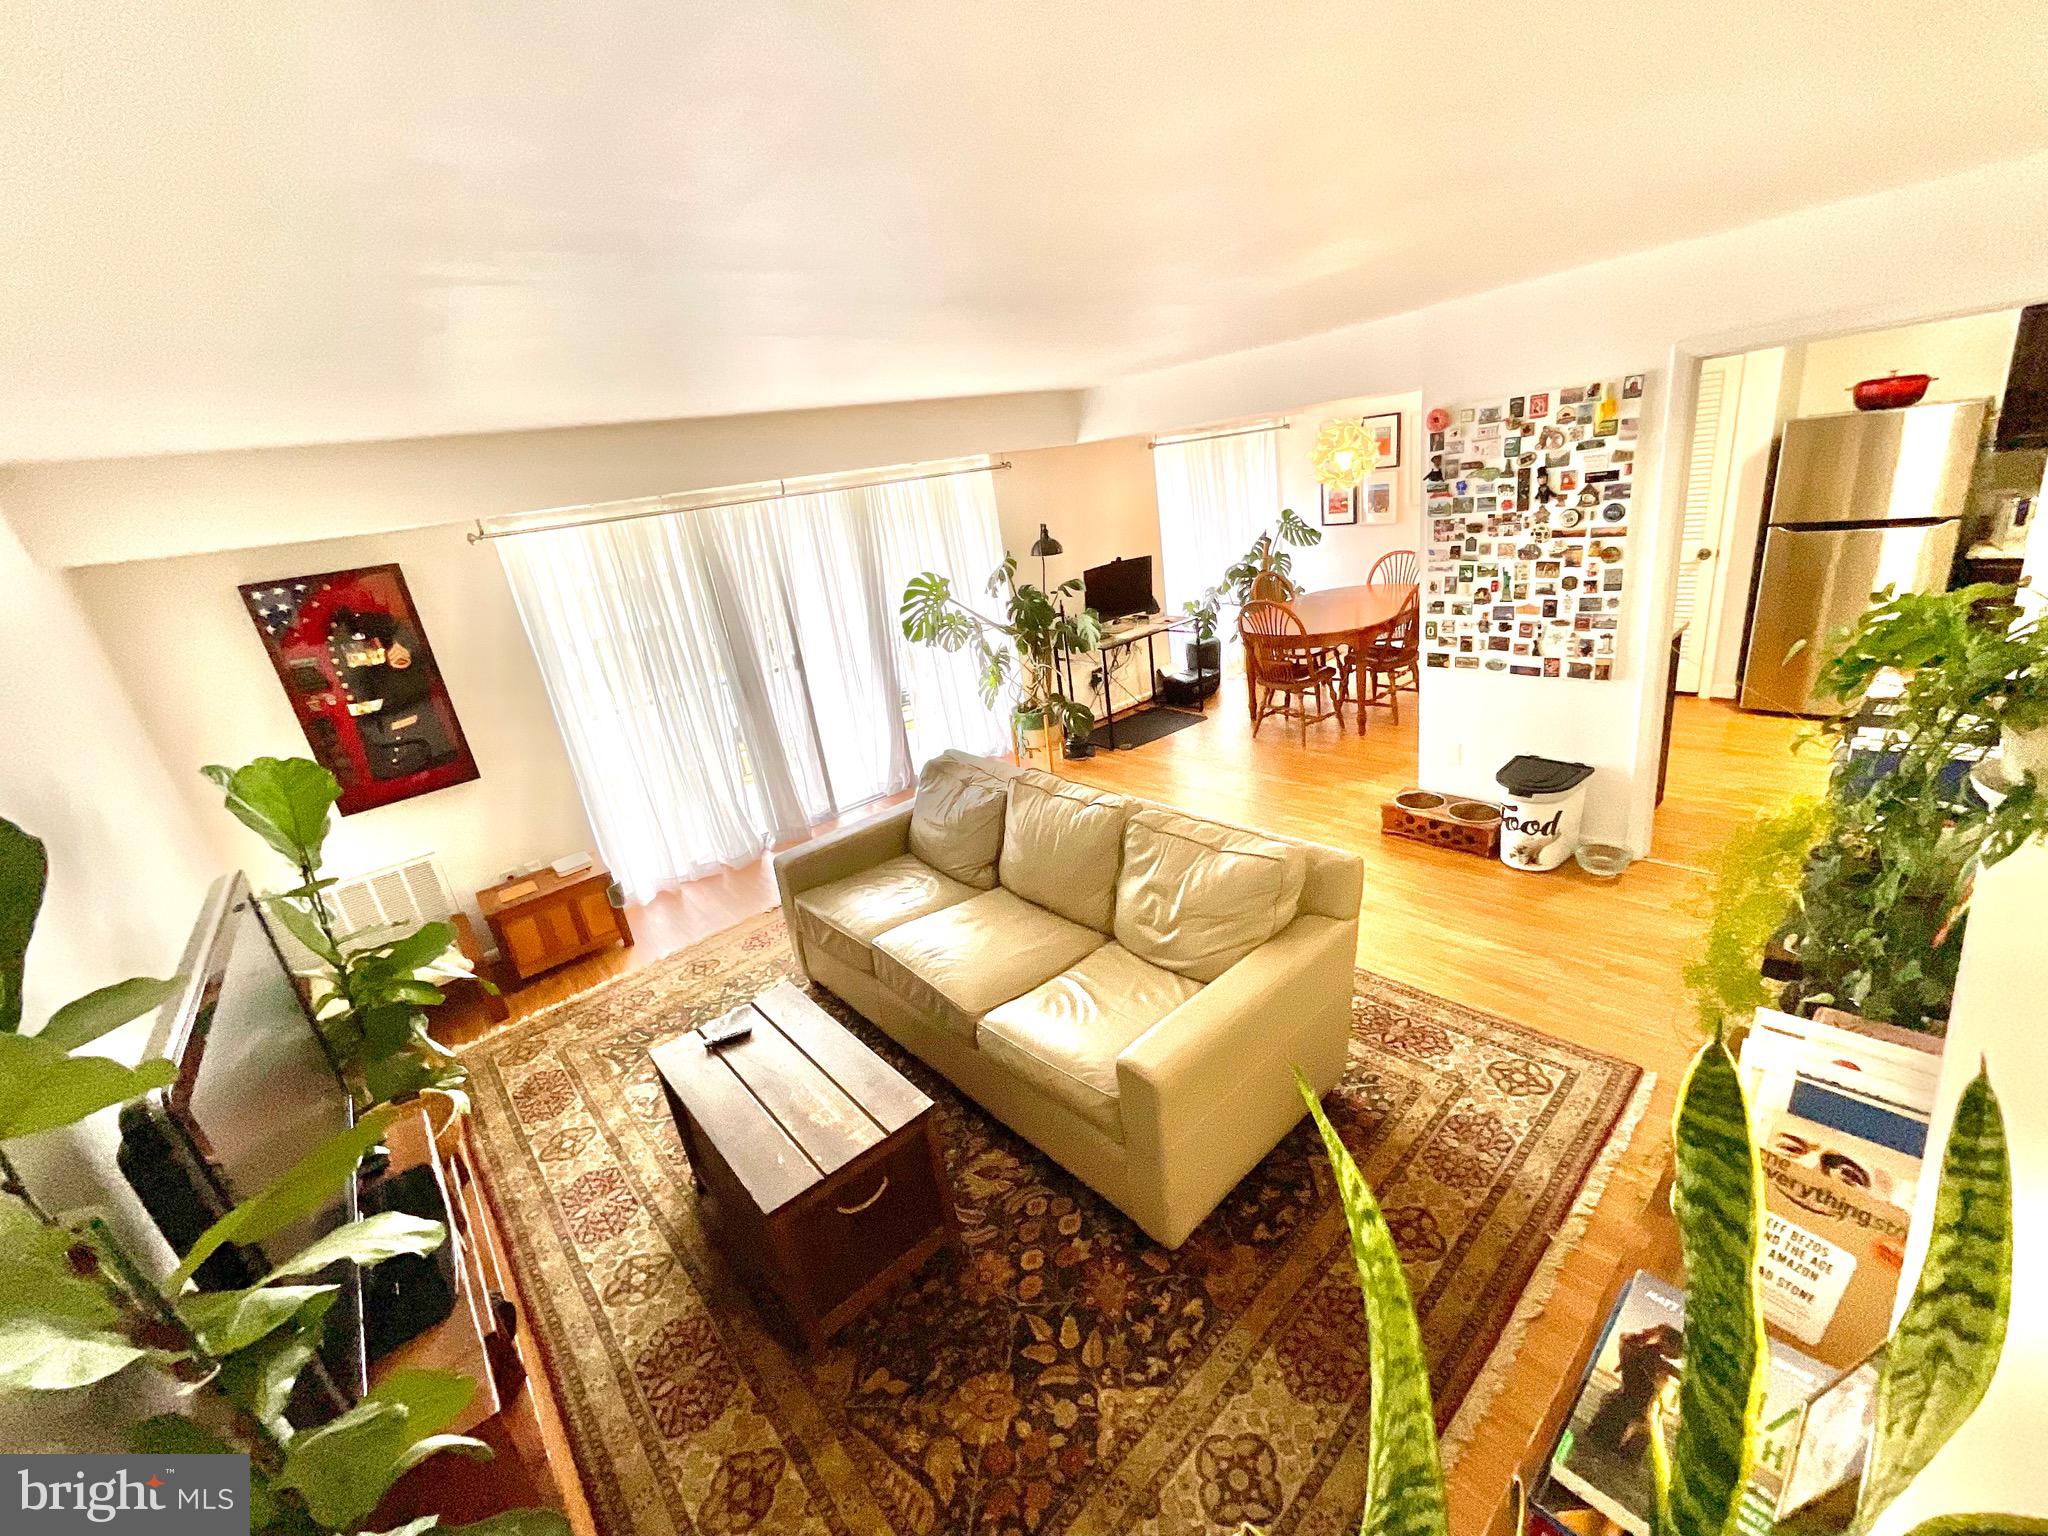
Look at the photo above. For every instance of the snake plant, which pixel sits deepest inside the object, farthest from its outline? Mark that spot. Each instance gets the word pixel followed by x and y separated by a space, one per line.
pixel 1936 1370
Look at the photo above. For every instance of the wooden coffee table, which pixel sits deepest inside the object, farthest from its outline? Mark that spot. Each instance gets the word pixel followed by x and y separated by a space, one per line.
pixel 819 1162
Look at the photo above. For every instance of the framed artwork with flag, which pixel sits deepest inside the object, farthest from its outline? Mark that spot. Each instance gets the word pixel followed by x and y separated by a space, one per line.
pixel 353 657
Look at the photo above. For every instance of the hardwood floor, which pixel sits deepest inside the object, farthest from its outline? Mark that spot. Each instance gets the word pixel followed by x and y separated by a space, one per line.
pixel 1591 961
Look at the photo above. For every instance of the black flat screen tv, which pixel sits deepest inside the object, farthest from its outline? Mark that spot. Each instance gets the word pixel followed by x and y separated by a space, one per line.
pixel 255 1091
pixel 1119 589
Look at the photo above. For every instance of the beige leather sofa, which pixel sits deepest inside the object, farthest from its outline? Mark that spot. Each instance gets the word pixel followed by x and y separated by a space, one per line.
pixel 1126 987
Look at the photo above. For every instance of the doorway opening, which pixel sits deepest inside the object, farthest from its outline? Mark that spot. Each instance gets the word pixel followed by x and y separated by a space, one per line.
pixel 1797 505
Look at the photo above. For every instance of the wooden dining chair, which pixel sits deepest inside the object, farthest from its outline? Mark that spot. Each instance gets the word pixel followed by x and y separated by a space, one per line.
pixel 1273 587
pixel 1287 671
pixel 1396 566
pixel 1392 660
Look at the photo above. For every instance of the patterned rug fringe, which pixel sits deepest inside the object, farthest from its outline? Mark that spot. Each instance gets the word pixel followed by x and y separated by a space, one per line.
pixel 1543 1281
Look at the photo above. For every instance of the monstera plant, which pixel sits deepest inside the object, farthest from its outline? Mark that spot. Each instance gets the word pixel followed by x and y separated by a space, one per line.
pixel 1270 554
pixel 1023 647
pixel 1936 1368
pixel 369 998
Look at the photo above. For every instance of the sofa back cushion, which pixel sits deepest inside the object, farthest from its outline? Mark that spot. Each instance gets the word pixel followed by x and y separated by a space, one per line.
pixel 956 822
pixel 1062 843
pixel 1195 897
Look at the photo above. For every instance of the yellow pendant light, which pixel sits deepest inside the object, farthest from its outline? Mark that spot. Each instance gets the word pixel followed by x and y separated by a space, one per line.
pixel 1344 453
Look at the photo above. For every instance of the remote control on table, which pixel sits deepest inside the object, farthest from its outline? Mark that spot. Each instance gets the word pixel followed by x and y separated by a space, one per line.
pixel 726 1030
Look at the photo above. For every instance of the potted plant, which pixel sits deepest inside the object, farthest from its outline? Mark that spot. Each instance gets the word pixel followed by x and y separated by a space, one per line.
pixel 1879 920
pixel 1021 649
pixel 368 997
pixel 77 1310
pixel 1970 656
pixel 1205 651
pixel 1937 1365
pixel 1270 552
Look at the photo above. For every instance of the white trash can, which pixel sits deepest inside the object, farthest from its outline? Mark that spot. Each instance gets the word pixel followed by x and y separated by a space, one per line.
pixel 1539 819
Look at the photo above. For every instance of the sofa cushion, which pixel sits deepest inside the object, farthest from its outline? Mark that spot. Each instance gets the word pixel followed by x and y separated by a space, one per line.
pixel 956 822
pixel 1061 845
pixel 846 917
pixel 1196 897
pixel 957 963
pixel 1065 1036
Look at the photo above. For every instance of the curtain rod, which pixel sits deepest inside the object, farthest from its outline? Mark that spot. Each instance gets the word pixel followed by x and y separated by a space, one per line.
pixel 662 506
pixel 1203 437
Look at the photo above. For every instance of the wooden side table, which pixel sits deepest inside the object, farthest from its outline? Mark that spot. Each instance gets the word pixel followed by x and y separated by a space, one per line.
pixel 818 1162
pixel 544 920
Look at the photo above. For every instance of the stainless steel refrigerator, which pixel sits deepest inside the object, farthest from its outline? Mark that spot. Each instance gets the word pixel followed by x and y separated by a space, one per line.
pixel 1861 501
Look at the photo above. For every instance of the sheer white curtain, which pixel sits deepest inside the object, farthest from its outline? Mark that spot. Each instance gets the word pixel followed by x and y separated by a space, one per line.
pixel 948 527
pixel 1216 495
pixel 725 678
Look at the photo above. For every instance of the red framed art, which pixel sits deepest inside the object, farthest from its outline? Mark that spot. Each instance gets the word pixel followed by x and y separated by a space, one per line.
pixel 353 657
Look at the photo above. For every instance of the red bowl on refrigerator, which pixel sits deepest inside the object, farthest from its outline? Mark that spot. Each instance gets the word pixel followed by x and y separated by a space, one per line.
pixel 1891 392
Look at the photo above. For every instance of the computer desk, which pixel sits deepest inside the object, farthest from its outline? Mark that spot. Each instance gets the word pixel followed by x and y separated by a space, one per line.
pixel 1119 638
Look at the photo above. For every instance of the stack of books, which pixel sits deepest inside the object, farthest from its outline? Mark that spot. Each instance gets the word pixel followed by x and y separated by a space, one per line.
pixel 1840 1109
pixel 1598 1481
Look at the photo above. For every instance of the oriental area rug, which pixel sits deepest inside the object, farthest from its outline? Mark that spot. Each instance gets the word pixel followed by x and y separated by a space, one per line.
pixel 1058 1372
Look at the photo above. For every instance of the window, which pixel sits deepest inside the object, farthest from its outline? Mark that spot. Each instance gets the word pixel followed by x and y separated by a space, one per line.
pixel 1217 493
pixel 726 676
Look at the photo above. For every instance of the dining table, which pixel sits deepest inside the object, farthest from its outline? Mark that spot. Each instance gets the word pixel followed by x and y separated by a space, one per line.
pixel 1347 617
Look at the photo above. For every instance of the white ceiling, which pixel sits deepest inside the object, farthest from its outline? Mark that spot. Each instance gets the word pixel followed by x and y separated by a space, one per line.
pixel 228 225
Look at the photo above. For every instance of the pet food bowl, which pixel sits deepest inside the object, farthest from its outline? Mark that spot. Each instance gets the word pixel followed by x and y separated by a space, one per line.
pixel 1604 860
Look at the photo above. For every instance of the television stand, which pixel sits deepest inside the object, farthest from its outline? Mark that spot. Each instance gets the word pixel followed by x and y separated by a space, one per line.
pixel 514 1409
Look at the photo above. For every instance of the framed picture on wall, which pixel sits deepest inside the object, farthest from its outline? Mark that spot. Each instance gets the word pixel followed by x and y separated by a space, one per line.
pixel 1386 437
pixel 353 657
pixel 1379 501
pixel 1340 507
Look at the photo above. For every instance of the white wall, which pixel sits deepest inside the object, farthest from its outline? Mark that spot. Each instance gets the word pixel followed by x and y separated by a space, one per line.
pixel 128 871
pixel 91 512
pixel 1101 502
pixel 1346 555
pixel 1990 1465
pixel 1967 354
pixel 205 693
pixel 128 862
pixel 1964 243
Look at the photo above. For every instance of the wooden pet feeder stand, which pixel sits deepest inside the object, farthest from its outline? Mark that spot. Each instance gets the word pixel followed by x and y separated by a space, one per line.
pixel 1443 821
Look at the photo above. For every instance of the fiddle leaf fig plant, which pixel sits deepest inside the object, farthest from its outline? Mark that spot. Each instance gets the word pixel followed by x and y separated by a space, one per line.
pixel 1021 648
pixel 44 1081
pixel 76 1311
pixel 369 998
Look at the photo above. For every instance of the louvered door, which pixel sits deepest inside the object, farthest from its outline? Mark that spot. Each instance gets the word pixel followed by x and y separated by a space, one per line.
pixel 1706 492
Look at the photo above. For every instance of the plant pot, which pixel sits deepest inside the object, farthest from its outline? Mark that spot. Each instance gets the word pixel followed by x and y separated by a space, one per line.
pixel 1031 730
pixel 1205 656
pixel 445 1114
pixel 2024 752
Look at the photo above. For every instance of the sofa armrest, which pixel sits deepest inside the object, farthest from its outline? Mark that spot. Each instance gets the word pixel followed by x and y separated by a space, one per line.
pixel 1208 1090
pixel 835 856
